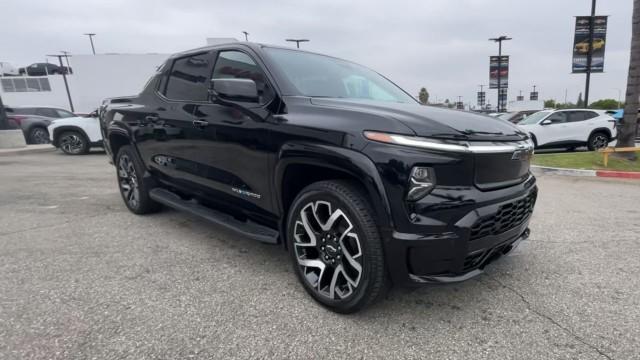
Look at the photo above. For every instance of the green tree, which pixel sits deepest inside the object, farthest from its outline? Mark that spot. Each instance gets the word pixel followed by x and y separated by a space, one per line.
pixel 423 96
pixel 550 103
pixel 604 104
pixel 580 102
pixel 628 128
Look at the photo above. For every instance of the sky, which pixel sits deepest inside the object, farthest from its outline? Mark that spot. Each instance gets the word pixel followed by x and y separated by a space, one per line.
pixel 439 44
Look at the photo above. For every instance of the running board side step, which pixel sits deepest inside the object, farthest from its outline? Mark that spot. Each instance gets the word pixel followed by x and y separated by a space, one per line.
pixel 249 229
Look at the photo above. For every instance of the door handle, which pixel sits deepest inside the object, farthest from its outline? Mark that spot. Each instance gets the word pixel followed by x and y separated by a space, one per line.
pixel 200 123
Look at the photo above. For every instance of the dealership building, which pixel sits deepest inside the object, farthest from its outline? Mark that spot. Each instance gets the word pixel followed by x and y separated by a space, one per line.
pixel 94 78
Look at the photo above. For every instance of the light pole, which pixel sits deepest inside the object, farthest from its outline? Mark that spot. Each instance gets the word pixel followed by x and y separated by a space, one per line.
pixel 619 96
pixel 66 57
pixel 589 54
pixel 246 36
pixel 298 41
pixel 91 35
pixel 499 40
pixel 64 77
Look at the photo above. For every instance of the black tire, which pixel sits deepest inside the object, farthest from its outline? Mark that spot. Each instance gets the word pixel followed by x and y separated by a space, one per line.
pixel 38 135
pixel 598 140
pixel 73 143
pixel 363 239
pixel 134 187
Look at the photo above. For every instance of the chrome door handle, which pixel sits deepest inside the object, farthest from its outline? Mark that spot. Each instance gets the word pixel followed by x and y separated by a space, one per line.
pixel 200 123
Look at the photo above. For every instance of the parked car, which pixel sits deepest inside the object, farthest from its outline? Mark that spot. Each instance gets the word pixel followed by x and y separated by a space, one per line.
pixel 46 111
pixel 76 135
pixel 570 128
pixel 43 69
pixel 516 116
pixel 7 69
pixel 33 127
pixel 361 183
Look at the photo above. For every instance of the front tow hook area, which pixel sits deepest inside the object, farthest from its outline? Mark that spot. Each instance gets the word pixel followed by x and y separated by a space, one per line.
pixel 446 279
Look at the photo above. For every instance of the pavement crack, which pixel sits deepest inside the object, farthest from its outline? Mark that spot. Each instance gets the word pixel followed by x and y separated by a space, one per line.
pixel 47 226
pixel 549 318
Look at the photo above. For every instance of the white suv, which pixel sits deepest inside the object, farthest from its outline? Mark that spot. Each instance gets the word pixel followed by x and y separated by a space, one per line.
pixel 76 135
pixel 570 128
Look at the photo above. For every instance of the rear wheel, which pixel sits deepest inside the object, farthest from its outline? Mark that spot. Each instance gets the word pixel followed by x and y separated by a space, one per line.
pixel 38 135
pixel 134 191
pixel 73 143
pixel 335 246
pixel 598 140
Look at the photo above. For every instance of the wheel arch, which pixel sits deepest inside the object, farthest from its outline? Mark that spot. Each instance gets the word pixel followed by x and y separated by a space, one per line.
pixel 301 164
pixel 62 129
pixel 601 130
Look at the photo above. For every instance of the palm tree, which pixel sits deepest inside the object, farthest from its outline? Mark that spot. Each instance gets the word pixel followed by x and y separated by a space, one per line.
pixel 629 126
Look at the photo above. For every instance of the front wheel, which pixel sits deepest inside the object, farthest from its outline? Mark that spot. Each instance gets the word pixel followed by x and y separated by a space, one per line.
pixel 73 143
pixel 336 247
pixel 134 191
pixel 597 140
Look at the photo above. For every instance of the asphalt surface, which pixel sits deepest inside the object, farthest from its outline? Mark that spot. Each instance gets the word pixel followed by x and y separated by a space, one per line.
pixel 82 278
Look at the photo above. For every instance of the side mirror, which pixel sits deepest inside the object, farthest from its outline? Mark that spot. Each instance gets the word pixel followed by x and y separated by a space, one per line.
pixel 244 90
pixel 546 122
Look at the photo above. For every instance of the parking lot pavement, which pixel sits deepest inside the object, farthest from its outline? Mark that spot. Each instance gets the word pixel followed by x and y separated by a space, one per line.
pixel 81 277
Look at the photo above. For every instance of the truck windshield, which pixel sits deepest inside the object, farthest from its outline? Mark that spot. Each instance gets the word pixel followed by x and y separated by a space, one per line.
pixel 323 76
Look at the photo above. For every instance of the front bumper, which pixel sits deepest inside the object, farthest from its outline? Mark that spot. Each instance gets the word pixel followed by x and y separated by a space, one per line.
pixel 477 238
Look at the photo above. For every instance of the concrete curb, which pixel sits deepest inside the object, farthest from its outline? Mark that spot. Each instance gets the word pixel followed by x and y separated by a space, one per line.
pixel 30 149
pixel 543 170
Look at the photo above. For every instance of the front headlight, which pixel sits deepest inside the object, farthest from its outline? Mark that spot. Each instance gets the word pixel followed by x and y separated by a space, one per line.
pixel 414 141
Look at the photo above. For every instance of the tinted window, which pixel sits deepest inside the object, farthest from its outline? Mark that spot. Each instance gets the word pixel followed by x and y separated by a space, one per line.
pixel 558 117
pixel 47 112
pixel 189 78
pixel 238 65
pixel 590 115
pixel 64 113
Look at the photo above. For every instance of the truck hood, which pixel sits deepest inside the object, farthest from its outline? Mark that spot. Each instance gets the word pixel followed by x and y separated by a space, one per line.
pixel 432 121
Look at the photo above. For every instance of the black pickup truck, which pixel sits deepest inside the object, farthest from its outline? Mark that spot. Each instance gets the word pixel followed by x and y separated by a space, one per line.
pixel 361 184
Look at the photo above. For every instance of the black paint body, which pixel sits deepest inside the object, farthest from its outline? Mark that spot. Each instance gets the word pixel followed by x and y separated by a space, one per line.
pixel 250 161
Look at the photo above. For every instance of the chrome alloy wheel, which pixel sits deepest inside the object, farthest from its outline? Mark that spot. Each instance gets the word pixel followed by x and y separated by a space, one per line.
pixel 71 144
pixel 39 136
pixel 599 141
pixel 328 250
pixel 128 181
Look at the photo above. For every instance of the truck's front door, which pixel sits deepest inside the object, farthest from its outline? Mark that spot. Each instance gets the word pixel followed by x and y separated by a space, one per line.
pixel 234 155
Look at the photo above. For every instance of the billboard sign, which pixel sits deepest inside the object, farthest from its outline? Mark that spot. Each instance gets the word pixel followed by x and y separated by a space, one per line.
pixel 533 95
pixel 581 44
pixel 494 67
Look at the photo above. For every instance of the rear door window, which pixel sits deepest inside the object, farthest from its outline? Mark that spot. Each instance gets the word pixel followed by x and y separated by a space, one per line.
pixel 189 78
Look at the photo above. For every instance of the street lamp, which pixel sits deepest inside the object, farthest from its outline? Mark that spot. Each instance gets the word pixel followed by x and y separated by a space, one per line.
pixel 64 77
pixel 298 41
pixel 619 96
pixel 246 36
pixel 91 35
pixel 499 40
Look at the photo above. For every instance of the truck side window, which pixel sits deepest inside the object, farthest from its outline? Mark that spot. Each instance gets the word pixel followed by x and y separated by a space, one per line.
pixel 189 78
pixel 238 65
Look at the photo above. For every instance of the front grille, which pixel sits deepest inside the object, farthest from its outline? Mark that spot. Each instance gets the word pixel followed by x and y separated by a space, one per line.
pixel 506 218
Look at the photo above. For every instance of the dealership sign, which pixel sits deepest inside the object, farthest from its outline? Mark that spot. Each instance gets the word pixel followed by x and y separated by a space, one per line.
pixel 501 67
pixel 581 44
